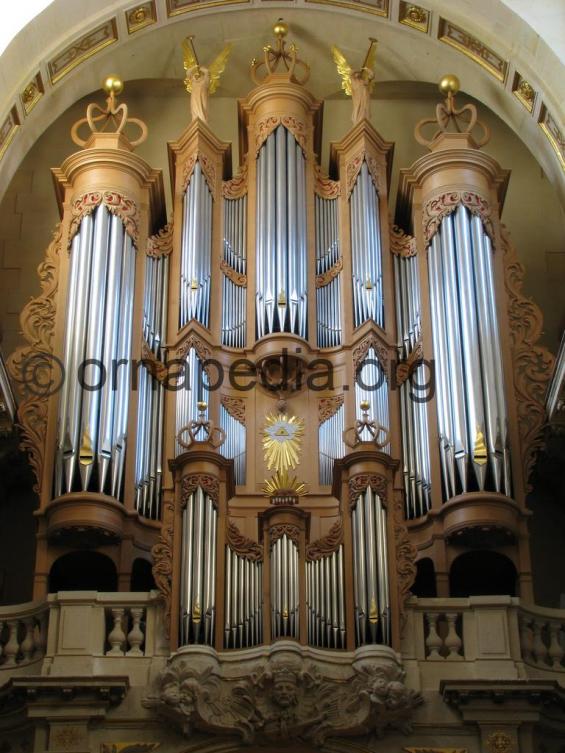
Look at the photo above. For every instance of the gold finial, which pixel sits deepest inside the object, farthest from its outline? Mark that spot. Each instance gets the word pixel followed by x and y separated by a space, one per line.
pixel 279 60
pixel 364 405
pixel 450 119
pixel 110 120
pixel 201 405
pixel 449 84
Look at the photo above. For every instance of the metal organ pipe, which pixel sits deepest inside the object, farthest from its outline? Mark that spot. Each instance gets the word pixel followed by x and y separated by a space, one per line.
pixel 235 253
pixel 325 601
pixel 234 446
pixel 196 250
pixel 472 418
pixel 370 570
pixel 330 444
pixel 92 423
pixel 284 588
pixel 366 254
pixel 195 383
pixel 328 307
pixel 375 392
pixel 281 296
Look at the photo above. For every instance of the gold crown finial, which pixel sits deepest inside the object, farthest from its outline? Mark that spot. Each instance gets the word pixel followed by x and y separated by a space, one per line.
pixel 109 120
pixel 280 29
pixel 450 119
pixel 280 60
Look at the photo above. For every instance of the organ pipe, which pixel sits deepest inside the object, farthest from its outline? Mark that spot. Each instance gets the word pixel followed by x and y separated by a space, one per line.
pixel 234 446
pixel 328 296
pixel 371 386
pixel 195 390
pixel 472 418
pixel 325 601
pixel 281 294
pixel 243 601
pixel 235 253
pixel 330 444
pixel 284 588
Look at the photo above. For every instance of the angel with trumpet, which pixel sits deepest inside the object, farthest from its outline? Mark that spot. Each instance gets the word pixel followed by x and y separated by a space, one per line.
pixel 358 84
pixel 201 81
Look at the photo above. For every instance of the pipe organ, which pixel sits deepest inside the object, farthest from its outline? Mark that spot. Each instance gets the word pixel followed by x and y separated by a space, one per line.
pixel 291 508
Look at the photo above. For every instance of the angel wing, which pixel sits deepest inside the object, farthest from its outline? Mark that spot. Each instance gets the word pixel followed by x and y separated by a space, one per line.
pixel 371 57
pixel 188 54
pixel 217 67
pixel 344 70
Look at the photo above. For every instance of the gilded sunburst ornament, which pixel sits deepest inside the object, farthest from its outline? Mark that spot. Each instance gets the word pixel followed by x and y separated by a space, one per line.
pixel 282 441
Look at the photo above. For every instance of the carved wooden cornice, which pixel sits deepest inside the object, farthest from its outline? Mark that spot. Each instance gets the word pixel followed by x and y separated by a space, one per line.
pixel 236 277
pixel 116 203
pixel 533 364
pixel 27 363
pixel 324 186
pixel 371 341
pixel 161 244
pixel 440 206
pixel 209 485
pixel 243 545
pixel 353 168
pixel 328 407
pixel 265 126
pixel 327 544
pixel 278 531
pixel 162 555
pixel 235 406
pixel 330 274
pixel 402 244
pixel 361 481
pixel 237 186
pixel 208 170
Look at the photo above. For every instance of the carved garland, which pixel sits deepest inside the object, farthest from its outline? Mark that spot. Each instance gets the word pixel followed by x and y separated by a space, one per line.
pixel 402 244
pixel 235 406
pixel 441 206
pixel 278 531
pixel 360 352
pixel 353 167
pixel 208 170
pixel 209 484
pixel 161 244
pixel 38 323
pixel 266 126
pixel 330 274
pixel 328 407
pixel 360 482
pixel 533 364
pixel 324 186
pixel 243 545
pixel 236 277
pixel 117 204
pixel 162 554
pixel 237 186
pixel 327 544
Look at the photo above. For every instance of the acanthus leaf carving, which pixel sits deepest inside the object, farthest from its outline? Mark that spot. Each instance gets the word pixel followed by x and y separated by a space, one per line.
pixel 236 277
pixel 405 558
pixel 402 244
pixel 162 555
pixel 208 170
pixel 237 186
pixel 161 244
pixel 328 407
pixel 235 406
pixel 361 481
pixel 324 186
pixel 441 206
pixel 276 532
pixel 38 324
pixel 116 203
pixel 404 368
pixel 266 126
pixel 330 274
pixel 202 349
pixel 243 545
pixel 371 341
pixel 209 484
pixel 155 367
pixel 353 168
pixel 533 364
pixel 328 544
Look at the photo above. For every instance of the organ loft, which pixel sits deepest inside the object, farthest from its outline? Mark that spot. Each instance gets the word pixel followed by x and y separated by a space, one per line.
pixel 290 414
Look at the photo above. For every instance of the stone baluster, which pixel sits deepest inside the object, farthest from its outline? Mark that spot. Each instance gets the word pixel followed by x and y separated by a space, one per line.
pixel 28 643
pixel 555 650
pixel 135 635
pixel 41 634
pixel 526 638
pixel 117 637
pixel 452 640
pixel 12 647
pixel 433 641
pixel 539 647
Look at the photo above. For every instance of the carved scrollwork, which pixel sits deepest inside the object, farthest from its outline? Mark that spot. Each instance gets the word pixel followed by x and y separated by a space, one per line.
pixel 284 699
pixel 118 204
pixel 533 364
pixel 353 168
pixel 405 559
pixel 202 349
pixel 208 170
pixel 161 244
pixel 243 545
pixel 404 368
pixel 235 406
pixel 237 186
pixel 236 277
pixel 360 352
pixel 162 554
pixel 331 274
pixel 402 244
pixel 328 407
pixel 441 206
pixel 327 544
pixel 266 126
pixel 361 481
pixel 278 531
pixel 209 484
pixel 325 186
pixel 38 322
pixel 156 367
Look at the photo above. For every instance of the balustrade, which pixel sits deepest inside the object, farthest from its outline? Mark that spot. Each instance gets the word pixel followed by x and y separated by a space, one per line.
pixel 23 634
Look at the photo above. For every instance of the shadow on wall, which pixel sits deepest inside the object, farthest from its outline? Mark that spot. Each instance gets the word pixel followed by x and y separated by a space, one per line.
pixel 482 573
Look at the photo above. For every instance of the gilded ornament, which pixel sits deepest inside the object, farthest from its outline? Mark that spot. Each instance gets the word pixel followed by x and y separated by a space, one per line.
pixel 284 485
pixel 282 441
pixel 201 80
pixel 280 59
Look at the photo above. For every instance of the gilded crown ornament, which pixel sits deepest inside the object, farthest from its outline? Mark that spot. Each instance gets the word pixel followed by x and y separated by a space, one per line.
pixel 284 489
pixel 358 84
pixel 201 430
pixel 112 119
pixel 379 435
pixel 202 80
pixel 280 60
pixel 450 119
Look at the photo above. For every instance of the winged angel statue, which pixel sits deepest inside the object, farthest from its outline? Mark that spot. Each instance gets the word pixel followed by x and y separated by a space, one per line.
pixel 201 80
pixel 358 84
